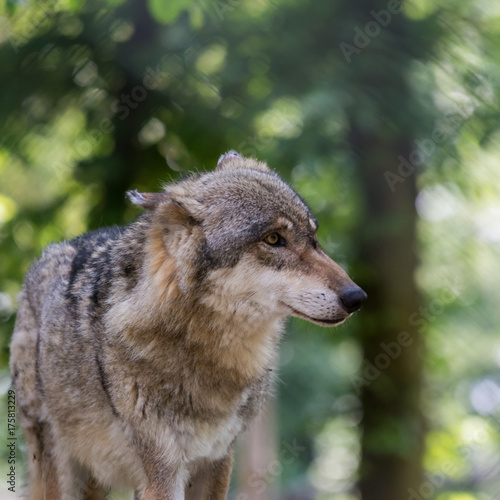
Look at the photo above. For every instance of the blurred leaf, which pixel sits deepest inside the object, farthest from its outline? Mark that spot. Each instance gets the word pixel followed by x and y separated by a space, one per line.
pixel 168 11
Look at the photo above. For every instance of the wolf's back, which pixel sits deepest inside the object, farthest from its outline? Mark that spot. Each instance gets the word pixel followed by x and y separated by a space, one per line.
pixel 49 309
pixel 46 277
pixel 60 269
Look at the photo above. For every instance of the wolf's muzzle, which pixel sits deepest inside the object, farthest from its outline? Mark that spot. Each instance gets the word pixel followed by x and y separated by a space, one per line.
pixel 352 298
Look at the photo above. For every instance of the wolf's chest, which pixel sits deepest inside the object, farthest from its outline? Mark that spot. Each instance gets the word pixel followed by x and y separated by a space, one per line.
pixel 211 440
pixel 195 439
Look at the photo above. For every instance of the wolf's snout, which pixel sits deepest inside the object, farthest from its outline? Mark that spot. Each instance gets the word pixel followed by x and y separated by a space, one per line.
pixel 352 298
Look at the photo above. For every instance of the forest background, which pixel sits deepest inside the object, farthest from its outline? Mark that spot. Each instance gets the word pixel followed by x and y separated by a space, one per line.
pixel 384 115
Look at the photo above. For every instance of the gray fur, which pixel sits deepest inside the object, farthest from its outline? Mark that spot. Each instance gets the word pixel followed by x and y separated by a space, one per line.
pixel 141 352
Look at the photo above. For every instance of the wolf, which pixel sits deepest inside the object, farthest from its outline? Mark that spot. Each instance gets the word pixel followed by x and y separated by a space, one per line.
pixel 140 353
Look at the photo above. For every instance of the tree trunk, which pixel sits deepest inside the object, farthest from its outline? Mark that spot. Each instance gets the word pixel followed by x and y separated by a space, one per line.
pixel 259 468
pixel 390 378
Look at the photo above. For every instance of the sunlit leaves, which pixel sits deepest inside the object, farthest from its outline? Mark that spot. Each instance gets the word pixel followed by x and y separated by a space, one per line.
pixel 167 11
pixel 212 59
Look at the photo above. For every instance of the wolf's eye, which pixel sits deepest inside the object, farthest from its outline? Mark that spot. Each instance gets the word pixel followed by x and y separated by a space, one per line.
pixel 275 240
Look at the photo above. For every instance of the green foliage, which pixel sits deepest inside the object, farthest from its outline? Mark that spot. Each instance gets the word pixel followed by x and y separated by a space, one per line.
pixel 168 12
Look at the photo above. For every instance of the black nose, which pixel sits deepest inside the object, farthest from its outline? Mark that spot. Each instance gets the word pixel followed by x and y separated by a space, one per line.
pixel 352 298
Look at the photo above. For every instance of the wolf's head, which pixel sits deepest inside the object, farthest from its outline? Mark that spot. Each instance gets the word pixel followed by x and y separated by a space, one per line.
pixel 245 243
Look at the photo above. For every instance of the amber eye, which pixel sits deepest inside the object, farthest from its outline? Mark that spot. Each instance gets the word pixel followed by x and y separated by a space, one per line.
pixel 275 240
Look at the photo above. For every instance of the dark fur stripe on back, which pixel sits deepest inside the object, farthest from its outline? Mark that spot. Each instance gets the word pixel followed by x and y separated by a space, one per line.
pixel 104 382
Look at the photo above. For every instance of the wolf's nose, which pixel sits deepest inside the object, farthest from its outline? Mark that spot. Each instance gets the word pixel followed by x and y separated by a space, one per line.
pixel 353 298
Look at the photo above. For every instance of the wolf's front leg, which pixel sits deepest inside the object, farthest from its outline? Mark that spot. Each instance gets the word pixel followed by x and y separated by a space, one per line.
pixel 165 474
pixel 168 488
pixel 210 480
pixel 165 480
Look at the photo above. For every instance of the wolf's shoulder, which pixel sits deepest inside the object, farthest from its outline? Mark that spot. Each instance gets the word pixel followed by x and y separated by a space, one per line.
pixel 80 247
pixel 92 239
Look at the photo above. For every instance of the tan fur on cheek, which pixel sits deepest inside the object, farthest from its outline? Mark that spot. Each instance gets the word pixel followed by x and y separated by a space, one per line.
pixel 249 291
pixel 161 267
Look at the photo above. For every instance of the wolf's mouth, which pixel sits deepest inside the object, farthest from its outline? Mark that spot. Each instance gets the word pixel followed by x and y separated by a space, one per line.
pixel 330 322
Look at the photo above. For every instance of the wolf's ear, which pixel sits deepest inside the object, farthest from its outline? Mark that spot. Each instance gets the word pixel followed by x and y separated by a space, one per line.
pixel 180 212
pixel 226 158
pixel 148 201
pixel 175 207
pixel 233 160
